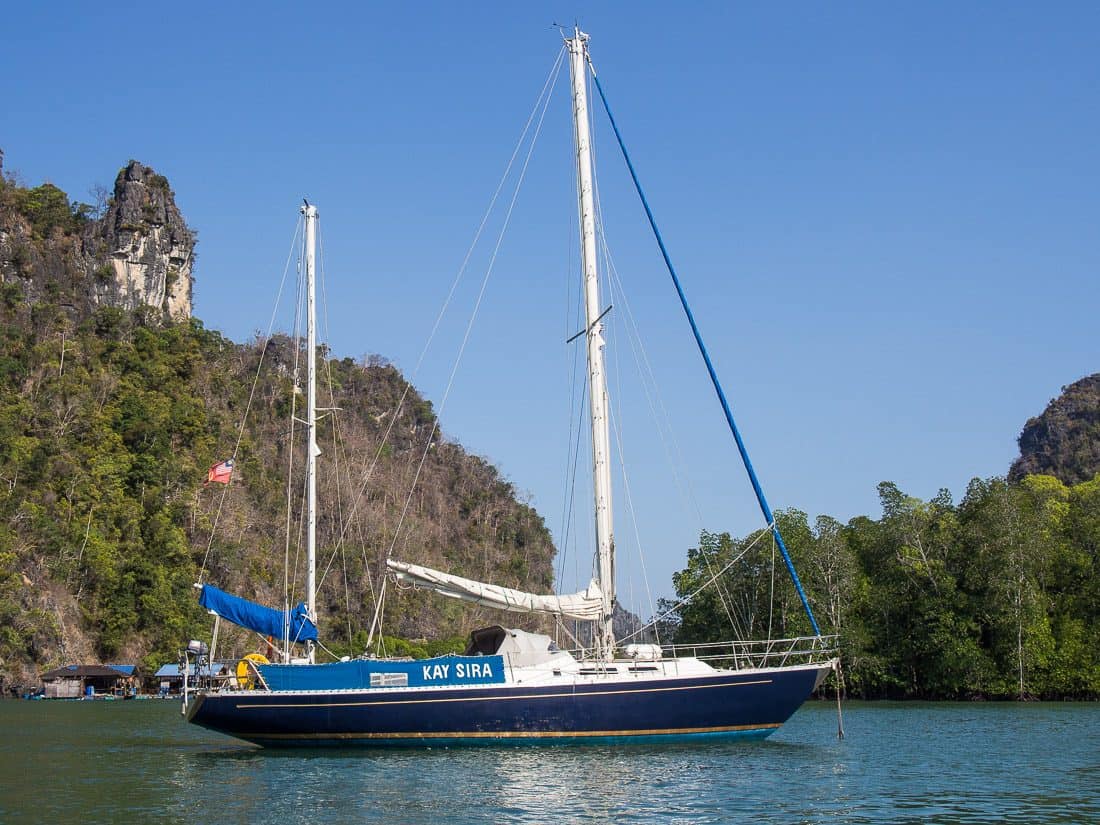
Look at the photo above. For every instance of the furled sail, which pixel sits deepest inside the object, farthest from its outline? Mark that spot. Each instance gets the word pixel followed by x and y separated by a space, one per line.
pixel 587 604
pixel 266 621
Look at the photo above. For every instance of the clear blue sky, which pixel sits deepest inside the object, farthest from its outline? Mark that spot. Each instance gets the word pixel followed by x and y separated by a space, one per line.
pixel 885 215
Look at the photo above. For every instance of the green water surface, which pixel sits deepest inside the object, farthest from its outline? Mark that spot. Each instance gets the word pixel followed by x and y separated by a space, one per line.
pixel 138 761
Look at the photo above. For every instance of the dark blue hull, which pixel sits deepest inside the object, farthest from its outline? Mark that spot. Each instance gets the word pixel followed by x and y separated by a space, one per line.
pixel 722 705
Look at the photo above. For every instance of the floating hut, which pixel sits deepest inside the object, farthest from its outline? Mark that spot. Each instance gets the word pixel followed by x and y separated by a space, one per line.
pixel 75 681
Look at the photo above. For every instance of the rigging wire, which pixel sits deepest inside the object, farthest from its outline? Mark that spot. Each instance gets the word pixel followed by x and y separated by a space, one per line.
pixel 300 539
pixel 761 500
pixel 649 382
pixel 651 389
pixel 337 446
pixel 574 305
pixel 590 481
pixel 296 338
pixel 571 477
pixel 771 594
pixel 675 607
pixel 572 318
pixel 251 397
pixel 473 315
pixel 376 622
pixel 633 514
pixel 662 419
pixel 368 474
pixel 615 415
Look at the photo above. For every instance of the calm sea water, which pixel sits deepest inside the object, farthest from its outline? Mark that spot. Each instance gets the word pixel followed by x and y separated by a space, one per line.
pixel 946 763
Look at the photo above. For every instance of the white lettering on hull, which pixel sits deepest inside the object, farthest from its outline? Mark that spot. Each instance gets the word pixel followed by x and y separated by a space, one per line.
pixel 463 670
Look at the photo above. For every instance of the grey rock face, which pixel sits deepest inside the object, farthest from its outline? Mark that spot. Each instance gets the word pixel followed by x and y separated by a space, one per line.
pixel 1065 440
pixel 146 244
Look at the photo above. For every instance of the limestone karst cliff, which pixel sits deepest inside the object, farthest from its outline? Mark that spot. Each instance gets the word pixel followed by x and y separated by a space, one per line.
pixel 133 251
pixel 148 245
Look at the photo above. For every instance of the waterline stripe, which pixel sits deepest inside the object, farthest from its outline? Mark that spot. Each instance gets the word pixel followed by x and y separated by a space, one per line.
pixel 543 734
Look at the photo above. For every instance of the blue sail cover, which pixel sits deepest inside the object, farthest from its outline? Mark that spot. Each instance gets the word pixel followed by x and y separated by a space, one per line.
pixel 264 620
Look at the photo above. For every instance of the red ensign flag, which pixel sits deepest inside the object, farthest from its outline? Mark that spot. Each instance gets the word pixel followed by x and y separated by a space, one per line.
pixel 220 473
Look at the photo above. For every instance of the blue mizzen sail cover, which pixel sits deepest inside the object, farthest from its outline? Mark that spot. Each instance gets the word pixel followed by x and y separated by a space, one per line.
pixel 264 620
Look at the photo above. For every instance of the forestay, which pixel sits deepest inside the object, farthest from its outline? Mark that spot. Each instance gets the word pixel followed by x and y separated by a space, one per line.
pixel 586 604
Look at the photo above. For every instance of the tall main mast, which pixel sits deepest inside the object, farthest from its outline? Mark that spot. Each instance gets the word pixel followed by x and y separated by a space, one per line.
pixel 310 213
pixel 598 406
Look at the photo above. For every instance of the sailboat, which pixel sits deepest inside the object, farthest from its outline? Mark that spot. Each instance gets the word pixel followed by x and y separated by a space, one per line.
pixel 514 686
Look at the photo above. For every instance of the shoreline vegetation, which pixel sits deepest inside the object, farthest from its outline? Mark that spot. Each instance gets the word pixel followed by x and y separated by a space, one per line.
pixel 996 597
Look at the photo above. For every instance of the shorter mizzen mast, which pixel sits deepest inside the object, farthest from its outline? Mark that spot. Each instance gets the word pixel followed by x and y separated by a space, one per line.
pixel 598 406
pixel 290 625
pixel 310 213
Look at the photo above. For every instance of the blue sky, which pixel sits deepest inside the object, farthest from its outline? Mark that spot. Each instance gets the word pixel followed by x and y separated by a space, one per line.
pixel 885 216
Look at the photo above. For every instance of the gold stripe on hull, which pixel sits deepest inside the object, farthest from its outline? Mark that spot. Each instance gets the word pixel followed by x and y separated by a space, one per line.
pixel 547 734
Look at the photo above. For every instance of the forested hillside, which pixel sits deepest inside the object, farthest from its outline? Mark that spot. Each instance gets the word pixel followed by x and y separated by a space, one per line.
pixel 113 405
pixel 997 596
